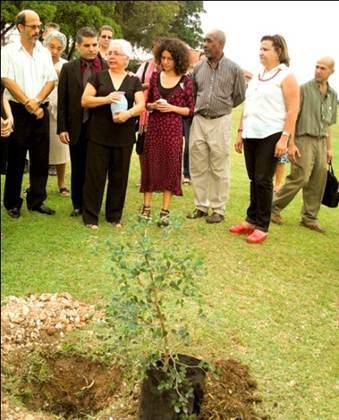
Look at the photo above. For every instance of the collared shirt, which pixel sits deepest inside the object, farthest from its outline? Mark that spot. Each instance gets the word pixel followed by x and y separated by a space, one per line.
pixel 317 112
pixel 264 108
pixel 219 89
pixel 30 72
pixel 95 65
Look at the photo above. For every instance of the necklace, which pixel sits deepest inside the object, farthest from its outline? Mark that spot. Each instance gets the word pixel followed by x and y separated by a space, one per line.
pixel 269 78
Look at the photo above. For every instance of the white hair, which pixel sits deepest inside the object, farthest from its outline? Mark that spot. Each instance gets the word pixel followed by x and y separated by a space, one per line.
pixel 56 35
pixel 123 45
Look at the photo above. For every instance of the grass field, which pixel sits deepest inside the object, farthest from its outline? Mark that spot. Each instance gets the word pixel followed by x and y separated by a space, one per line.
pixel 273 306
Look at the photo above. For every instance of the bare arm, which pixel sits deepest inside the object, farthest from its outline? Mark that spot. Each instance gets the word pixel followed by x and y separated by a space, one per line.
pixel 291 94
pixel 329 149
pixel 90 100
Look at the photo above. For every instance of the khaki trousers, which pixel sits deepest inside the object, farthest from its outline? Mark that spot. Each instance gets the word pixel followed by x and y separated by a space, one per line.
pixel 210 162
pixel 309 174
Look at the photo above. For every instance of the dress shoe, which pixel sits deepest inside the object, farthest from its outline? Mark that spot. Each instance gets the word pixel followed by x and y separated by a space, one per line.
pixel 14 213
pixel 257 236
pixel 313 226
pixel 43 210
pixel 214 218
pixel 196 214
pixel 76 213
pixel 276 218
pixel 241 229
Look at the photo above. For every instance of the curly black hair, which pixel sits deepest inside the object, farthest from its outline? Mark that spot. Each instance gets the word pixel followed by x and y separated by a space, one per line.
pixel 178 50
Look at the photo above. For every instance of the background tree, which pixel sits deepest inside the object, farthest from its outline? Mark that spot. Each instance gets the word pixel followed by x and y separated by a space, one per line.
pixel 139 22
pixel 187 23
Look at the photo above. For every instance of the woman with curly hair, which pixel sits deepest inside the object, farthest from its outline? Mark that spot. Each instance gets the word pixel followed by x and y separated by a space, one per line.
pixel 170 98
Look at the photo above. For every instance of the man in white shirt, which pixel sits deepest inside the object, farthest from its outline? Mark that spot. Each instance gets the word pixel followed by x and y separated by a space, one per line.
pixel 29 76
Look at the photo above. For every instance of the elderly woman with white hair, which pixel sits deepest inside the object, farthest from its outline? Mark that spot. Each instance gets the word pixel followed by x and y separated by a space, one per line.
pixel 56 42
pixel 110 141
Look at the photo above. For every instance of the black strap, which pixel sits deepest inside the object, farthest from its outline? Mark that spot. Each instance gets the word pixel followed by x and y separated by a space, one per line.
pixel 144 72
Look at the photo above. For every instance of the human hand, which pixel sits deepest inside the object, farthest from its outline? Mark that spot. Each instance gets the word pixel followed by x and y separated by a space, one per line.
pixel 120 117
pixel 164 106
pixel 32 105
pixel 113 97
pixel 39 113
pixel 238 143
pixel 293 152
pixel 329 155
pixel 64 137
pixel 6 127
pixel 280 147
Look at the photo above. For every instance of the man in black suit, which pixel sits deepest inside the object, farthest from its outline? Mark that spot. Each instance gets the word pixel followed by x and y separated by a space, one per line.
pixel 72 118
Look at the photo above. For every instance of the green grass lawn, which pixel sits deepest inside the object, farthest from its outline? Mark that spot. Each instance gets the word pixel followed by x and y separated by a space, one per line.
pixel 273 306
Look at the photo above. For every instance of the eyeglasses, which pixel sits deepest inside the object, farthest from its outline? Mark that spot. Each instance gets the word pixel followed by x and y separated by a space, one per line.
pixel 116 53
pixel 106 36
pixel 35 27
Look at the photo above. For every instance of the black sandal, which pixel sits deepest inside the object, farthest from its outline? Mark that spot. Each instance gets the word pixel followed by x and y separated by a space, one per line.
pixel 64 191
pixel 145 213
pixel 163 218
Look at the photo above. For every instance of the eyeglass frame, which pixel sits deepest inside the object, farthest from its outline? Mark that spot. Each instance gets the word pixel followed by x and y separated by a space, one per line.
pixel 34 26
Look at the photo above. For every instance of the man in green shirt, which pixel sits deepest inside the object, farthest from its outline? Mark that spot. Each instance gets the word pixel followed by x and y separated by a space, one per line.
pixel 311 149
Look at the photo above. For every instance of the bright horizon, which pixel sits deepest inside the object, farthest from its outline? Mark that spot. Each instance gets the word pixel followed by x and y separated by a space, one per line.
pixel 311 31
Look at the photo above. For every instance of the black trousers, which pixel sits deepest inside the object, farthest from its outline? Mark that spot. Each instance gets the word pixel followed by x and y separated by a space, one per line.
pixel 260 165
pixel 103 161
pixel 78 154
pixel 32 135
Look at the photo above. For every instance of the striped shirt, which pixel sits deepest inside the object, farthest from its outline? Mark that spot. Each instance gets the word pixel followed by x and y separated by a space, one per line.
pixel 317 112
pixel 219 89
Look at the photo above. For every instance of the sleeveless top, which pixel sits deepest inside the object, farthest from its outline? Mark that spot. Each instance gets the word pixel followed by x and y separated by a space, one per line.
pixel 264 109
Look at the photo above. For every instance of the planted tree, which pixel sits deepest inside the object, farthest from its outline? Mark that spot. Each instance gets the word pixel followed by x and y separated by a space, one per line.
pixel 154 280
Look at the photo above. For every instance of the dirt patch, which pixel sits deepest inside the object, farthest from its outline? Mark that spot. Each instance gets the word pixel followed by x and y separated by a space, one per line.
pixel 232 394
pixel 59 385
pixel 72 387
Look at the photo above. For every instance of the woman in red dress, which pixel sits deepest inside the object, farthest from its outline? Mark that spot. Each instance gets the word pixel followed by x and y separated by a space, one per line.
pixel 170 98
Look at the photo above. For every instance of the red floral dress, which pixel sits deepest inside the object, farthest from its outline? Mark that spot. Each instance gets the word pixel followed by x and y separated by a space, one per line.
pixel 161 160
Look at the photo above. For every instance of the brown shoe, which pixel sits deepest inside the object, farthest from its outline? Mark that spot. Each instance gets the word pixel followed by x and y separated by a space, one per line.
pixel 277 219
pixel 214 218
pixel 196 214
pixel 313 226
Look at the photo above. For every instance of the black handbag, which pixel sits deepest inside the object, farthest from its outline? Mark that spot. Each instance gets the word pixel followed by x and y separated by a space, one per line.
pixel 331 194
pixel 139 147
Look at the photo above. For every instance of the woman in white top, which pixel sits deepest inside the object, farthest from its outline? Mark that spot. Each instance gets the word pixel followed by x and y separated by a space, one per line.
pixel 268 121
pixel 58 152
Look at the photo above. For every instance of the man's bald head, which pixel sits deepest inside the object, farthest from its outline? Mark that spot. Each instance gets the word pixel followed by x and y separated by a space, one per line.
pixel 22 16
pixel 324 68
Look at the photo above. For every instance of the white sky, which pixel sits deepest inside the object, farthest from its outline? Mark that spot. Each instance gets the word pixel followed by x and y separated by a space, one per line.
pixel 311 30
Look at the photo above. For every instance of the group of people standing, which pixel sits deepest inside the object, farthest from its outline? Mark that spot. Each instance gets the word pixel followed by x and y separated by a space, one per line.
pixel 163 94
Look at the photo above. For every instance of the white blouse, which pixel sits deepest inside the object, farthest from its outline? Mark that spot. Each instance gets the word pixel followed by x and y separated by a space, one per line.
pixel 265 109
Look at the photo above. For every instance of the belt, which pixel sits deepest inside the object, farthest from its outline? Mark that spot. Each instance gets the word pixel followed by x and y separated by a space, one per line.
pixel 19 105
pixel 211 117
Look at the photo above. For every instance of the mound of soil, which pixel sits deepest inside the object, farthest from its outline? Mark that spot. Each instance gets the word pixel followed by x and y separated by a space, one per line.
pixel 231 394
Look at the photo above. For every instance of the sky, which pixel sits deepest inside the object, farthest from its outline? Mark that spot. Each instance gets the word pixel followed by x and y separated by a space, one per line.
pixel 311 30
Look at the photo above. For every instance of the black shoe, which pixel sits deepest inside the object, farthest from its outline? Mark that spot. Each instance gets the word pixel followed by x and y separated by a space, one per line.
pixel 14 213
pixel 196 214
pixel 214 218
pixel 76 213
pixel 43 209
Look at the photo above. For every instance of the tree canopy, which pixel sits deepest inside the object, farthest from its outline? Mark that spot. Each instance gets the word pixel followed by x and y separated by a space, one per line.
pixel 140 22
